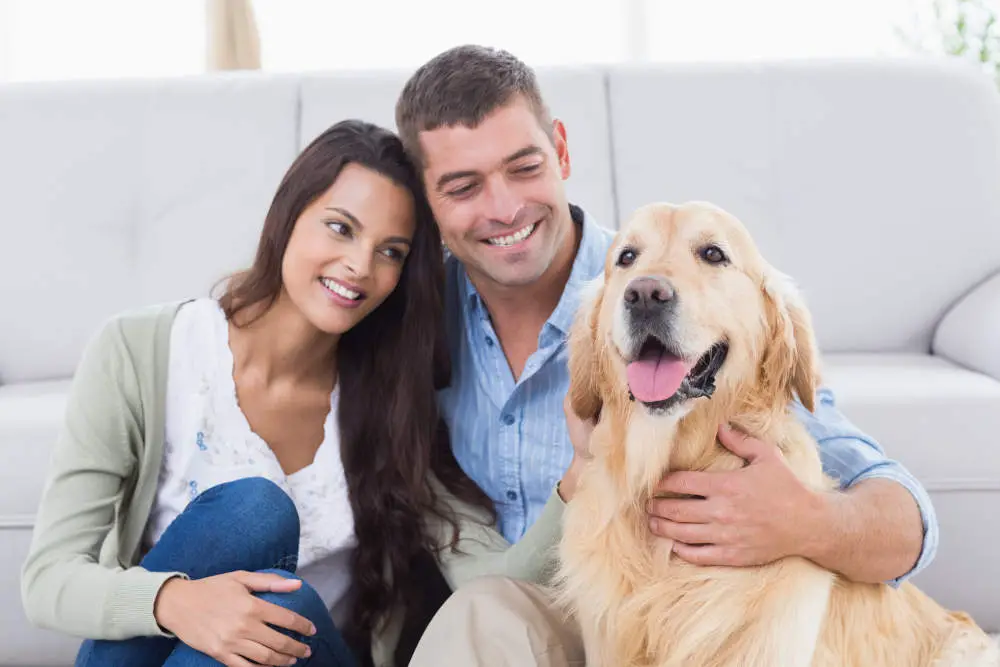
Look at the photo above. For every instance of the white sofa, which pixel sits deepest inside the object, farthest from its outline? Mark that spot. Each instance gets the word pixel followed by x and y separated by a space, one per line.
pixel 875 184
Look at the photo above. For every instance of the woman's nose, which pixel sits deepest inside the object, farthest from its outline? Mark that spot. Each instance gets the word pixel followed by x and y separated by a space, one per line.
pixel 359 262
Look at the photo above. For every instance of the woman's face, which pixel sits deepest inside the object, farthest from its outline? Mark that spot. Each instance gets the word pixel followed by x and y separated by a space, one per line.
pixel 347 249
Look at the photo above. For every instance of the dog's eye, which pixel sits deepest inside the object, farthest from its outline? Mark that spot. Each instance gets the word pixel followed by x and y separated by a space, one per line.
pixel 713 254
pixel 626 257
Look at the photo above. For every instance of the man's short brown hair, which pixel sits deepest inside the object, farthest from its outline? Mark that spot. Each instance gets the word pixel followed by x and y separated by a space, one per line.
pixel 461 86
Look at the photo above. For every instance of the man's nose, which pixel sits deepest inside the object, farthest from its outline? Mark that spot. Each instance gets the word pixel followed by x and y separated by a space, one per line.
pixel 648 294
pixel 504 202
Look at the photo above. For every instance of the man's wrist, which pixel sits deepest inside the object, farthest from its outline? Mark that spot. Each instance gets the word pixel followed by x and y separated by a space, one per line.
pixel 822 521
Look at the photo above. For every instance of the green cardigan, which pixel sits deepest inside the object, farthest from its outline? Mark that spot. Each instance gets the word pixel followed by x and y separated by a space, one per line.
pixel 81 575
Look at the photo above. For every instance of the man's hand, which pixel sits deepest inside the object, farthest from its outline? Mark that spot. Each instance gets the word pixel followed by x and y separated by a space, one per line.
pixel 749 516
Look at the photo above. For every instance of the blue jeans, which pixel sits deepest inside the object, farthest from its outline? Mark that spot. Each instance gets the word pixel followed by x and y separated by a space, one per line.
pixel 248 524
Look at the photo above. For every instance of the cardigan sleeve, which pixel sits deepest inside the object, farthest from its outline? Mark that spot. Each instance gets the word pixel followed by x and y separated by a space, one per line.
pixel 64 586
pixel 482 550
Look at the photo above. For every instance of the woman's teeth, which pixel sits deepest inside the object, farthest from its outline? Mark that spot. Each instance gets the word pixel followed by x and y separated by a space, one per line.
pixel 337 288
pixel 511 239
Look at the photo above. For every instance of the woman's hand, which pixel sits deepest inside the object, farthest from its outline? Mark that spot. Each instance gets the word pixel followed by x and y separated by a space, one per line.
pixel 579 434
pixel 221 617
pixel 579 430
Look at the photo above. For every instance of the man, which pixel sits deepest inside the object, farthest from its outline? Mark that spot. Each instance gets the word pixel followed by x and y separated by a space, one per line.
pixel 493 163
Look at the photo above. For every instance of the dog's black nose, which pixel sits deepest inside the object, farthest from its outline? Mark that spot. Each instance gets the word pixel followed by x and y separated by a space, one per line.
pixel 648 293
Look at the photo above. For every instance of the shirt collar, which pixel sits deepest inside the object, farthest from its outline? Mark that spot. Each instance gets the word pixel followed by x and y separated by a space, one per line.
pixel 587 265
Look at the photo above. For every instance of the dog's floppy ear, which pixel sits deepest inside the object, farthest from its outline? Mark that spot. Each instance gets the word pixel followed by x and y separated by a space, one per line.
pixel 584 362
pixel 791 358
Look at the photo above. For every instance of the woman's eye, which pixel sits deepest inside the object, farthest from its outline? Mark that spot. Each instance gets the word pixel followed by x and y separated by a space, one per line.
pixel 394 254
pixel 713 254
pixel 341 228
pixel 626 257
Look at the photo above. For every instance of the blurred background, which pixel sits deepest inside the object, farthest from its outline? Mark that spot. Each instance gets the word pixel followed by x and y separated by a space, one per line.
pixel 73 39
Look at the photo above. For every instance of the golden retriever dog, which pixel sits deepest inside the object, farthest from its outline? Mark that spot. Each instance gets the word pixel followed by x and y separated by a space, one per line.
pixel 691 328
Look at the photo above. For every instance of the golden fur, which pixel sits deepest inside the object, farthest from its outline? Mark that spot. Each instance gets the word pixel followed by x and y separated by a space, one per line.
pixel 637 603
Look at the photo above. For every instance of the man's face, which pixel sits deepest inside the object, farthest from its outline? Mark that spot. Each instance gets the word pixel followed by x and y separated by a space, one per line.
pixel 497 194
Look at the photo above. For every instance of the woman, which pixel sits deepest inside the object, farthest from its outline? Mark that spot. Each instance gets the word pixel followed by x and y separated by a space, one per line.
pixel 289 426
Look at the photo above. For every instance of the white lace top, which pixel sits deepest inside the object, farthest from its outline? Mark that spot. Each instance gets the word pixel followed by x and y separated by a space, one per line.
pixel 209 441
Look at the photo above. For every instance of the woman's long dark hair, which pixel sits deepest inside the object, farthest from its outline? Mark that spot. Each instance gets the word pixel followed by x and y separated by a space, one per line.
pixel 389 366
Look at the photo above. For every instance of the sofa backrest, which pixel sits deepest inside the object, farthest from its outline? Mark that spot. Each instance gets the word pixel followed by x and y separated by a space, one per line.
pixel 874 184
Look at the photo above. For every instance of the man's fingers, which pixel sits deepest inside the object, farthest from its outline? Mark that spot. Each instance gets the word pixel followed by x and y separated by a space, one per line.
pixel 742 445
pixel 284 618
pixel 681 510
pixel 688 483
pixel 268 582
pixel 705 555
pixel 688 533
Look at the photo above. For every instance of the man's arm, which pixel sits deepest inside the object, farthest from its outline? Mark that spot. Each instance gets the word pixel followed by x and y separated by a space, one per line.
pixel 875 532
pixel 883 507
pixel 871 530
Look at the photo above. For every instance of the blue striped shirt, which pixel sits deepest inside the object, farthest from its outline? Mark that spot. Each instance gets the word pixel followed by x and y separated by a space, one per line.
pixel 510 436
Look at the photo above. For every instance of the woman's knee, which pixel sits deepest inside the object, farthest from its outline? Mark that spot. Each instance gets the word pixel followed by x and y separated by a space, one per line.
pixel 259 512
pixel 246 524
pixel 304 600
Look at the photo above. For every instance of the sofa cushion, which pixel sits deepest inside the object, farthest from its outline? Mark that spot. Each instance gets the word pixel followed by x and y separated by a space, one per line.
pixel 30 417
pixel 940 421
pixel 840 171
pixel 120 194
pixel 577 97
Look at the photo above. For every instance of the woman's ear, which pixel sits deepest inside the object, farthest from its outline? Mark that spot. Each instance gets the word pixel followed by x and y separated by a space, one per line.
pixel 584 364
pixel 791 356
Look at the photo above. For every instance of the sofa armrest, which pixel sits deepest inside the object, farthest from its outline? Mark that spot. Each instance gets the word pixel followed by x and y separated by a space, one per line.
pixel 969 333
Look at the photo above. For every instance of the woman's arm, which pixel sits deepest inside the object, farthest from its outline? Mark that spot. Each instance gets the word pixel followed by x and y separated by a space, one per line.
pixel 482 550
pixel 63 586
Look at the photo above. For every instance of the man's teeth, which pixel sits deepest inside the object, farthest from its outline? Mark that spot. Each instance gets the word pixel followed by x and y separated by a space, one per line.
pixel 511 239
pixel 337 288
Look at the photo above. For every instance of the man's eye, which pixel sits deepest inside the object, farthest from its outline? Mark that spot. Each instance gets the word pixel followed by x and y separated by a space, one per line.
pixel 462 191
pixel 527 169
pixel 626 257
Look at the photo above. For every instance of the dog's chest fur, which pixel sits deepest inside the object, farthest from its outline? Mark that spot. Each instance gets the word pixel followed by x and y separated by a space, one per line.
pixel 637 604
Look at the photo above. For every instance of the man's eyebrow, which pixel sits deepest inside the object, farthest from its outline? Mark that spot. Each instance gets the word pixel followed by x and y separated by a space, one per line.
pixel 347 214
pixel 517 155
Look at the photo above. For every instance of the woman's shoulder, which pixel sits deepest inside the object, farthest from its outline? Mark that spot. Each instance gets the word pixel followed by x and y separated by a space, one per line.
pixel 137 335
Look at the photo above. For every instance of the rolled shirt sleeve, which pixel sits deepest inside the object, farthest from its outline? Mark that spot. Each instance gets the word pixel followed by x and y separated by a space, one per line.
pixel 850 456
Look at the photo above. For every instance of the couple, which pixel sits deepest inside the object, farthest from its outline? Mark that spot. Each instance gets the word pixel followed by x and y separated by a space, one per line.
pixel 257 478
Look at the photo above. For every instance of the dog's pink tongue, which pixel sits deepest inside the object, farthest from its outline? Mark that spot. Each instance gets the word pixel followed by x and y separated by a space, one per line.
pixel 655 376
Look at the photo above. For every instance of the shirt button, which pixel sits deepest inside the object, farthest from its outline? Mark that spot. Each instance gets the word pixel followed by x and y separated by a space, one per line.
pixel 489 341
pixel 512 495
pixel 507 418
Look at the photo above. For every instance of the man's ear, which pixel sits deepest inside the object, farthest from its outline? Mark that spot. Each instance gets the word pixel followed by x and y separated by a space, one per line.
pixel 791 356
pixel 584 364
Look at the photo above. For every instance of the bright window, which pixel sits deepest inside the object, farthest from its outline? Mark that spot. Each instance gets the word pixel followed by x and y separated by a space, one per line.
pixel 73 39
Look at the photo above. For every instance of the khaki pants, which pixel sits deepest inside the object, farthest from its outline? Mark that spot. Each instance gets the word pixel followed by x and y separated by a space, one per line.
pixel 499 622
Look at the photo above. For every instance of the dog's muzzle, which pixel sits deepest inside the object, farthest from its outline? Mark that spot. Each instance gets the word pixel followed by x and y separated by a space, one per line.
pixel 658 375
pixel 648 299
